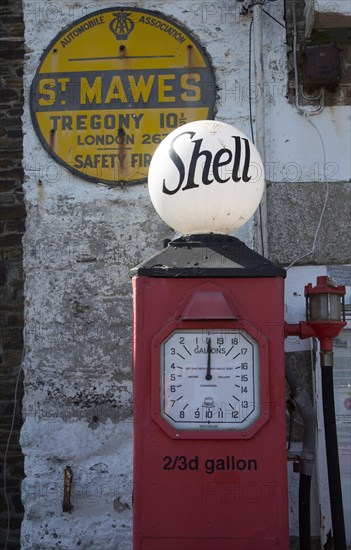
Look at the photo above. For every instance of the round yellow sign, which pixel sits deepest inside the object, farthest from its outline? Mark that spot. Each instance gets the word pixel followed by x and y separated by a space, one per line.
pixel 111 86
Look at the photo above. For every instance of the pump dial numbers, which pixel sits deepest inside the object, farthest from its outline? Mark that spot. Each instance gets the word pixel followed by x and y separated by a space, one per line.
pixel 210 380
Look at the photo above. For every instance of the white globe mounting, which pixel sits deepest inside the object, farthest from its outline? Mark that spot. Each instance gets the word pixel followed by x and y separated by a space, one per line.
pixel 206 177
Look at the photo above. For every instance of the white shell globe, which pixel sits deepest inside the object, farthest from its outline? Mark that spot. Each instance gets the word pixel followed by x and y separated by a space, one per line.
pixel 206 177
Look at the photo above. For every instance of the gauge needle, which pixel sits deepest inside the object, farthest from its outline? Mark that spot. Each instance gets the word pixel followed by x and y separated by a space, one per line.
pixel 208 373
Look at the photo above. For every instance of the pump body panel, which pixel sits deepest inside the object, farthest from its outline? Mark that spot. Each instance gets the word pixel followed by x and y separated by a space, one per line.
pixel 209 489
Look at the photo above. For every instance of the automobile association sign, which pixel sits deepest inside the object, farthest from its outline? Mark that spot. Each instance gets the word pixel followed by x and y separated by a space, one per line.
pixel 111 86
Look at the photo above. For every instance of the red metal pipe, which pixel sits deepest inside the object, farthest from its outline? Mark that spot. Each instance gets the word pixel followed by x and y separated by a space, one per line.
pixel 325 331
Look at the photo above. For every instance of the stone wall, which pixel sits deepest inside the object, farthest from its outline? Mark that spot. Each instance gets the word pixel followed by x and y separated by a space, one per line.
pixel 12 215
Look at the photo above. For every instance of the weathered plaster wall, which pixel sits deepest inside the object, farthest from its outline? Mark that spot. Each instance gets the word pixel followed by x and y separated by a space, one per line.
pixel 81 239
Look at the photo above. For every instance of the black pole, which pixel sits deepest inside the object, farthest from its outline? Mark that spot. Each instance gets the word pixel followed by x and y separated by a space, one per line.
pixel 331 443
pixel 305 512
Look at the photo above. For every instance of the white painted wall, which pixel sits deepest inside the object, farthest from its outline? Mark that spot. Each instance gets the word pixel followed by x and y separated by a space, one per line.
pixel 80 242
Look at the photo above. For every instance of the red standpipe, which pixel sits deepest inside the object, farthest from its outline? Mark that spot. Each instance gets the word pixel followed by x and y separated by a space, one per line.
pixel 325 308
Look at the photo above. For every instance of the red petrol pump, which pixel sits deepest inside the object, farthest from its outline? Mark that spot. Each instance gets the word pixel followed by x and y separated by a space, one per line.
pixel 208 365
pixel 210 446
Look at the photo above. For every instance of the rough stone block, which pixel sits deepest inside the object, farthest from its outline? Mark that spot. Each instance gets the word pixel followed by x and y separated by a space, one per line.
pixel 294 212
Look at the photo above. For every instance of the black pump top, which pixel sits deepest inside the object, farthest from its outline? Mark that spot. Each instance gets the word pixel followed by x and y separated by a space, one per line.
pixel 208 255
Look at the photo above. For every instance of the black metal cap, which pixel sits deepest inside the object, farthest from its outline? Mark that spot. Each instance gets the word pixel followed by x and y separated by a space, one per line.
pixel 207 255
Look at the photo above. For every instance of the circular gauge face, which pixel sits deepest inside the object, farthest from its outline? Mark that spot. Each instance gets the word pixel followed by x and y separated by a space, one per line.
pixel 210 380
